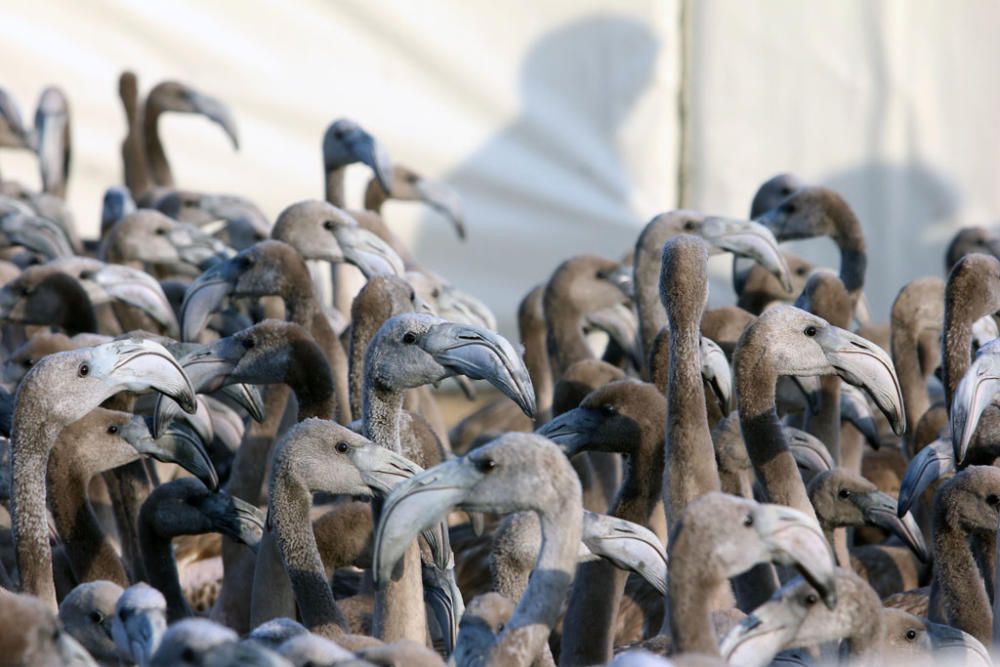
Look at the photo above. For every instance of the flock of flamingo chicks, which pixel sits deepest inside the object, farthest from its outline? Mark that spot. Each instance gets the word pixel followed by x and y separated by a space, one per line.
pixel 205 463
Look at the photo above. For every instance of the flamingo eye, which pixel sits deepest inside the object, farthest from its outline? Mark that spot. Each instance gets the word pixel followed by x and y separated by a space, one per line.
pixel 96 616
pixel 486 466
pixel 993 500
pixel 811 599
pixel 83 371
pixel 409 338
pixel 342 447
pixel 844 493
pixel 810 331
pixel 748 520
pixel 113 429
pixel 328 225
pixel 911 634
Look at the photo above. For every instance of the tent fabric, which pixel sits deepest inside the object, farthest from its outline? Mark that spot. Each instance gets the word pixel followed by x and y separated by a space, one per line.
pixel 564 125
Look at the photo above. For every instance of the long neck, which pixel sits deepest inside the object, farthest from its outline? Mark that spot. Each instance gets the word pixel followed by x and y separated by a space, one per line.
pixel 382 411
pixel 308 375
pixel 528 629
pixel 328 340
pixel 375 196
pixel 156 157
pixel 912 383
pixel 31 441
pixel 161 568
pixel 853 254
pixel 564 335
pixel 133 156
pixel 966 603
pixel 289 515
pixel 335 186
pixel 956 342
pixel 825 425
pixel 365 322
pixel 646 275
pixel 690 463
pixel 71 466
pixel 531 323
pixel 773 462
pixel 691 587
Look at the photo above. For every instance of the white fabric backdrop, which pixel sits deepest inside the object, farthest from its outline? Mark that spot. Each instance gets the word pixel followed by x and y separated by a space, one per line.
pixel 558 122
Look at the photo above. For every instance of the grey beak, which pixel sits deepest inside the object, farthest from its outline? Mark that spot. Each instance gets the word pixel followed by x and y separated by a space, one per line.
pixel 237 519
pixel 955 647
pixel 809 452
pixel 203 297
pixel 180 445
pixel 482 355
pixel 36 234
pixel 975 392
pixel 414 506
pixel 368 252
pixel 855 409
pixel 715 370
pixel 762 634
pixel 629 546
pixel 444 200
pixel 139 365
pixel 929 465
pixel 217 112
pixel 880 509
pixel 748 239
pixel 864 364
pixel 792 538
pixel 571 430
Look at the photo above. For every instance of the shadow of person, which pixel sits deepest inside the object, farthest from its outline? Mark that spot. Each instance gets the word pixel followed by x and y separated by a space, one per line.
pixel 550 184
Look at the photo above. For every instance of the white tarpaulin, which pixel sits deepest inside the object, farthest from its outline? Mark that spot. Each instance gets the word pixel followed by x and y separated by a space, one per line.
pixel 558 122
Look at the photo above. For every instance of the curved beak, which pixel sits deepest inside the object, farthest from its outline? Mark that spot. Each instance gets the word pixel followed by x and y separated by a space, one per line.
pixel 622 277
pixel 138 365
pixel 13 133
pixel 36 234
pixel 792 538
pixel 196 247
pixel 368 252
pixel 809 452
pixel 715 370
pixel 217 112
pixel 235 518
pixel 139 290
pixel 748 239
pixel 880 509
pixel 204 296
pixel 481 354
pixel 975 392
pixel 571 430
pixel 455 305
pixel 416 505
pixel 368 150
pixel 955 647
pixel 855 409
pixel 382 470
pixel 762 635
pixel 208 368
pixel 443 199
pixel 621 324
pixel 444 599
pixel 864 364
pixel 248 397
pixel 180 445
pixel 629 546
pixel 52 140
pixel 984 330
pixel 929 465
pixel 144 631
